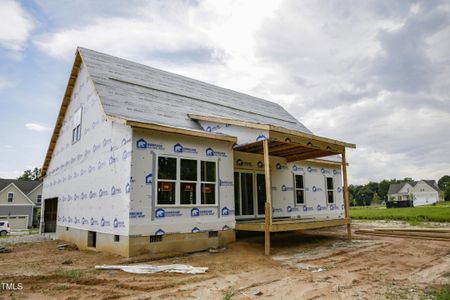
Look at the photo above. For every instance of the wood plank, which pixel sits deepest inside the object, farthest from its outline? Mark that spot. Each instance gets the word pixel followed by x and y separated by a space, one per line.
pixel 346 198
pixel 308 225
pixel 268 205
pixel 308 155
pixel 182 131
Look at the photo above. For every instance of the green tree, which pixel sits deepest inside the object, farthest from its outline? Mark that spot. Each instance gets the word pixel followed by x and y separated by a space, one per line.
pixel 376 198
pixel 443 182
pixel 31 174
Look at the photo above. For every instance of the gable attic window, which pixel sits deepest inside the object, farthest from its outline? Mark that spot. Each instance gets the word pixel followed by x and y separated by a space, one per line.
pixel 10 197
pixel 76 125
pixel 39 199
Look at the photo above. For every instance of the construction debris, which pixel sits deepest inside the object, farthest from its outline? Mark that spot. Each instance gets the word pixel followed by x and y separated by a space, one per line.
pixel 5 250
pixel 148 269
pixel 437 234
pixel 67 247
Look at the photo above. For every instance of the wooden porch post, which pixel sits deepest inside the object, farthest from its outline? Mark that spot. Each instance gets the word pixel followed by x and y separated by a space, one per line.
pixel 268 206
pixel 346 198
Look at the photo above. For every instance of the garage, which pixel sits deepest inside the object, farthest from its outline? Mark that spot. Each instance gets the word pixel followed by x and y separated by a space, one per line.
pixel 16 222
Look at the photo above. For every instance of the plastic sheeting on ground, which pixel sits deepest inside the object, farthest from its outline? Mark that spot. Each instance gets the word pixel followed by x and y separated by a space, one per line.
pixel 147 269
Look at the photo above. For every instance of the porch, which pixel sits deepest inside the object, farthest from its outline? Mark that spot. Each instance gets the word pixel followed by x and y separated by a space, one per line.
pixel 293 146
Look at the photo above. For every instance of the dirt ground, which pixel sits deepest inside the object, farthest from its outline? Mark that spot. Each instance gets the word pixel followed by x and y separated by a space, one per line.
pixel 303 265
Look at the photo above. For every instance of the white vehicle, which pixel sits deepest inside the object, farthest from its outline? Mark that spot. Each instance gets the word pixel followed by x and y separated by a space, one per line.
pixel 4 228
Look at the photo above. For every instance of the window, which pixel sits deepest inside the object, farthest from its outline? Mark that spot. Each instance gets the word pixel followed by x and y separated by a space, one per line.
pixel 92 239
pixel 10 197
pixel 167 176
pixel 184 181
pixel 299 189
pixel 76 126
pixel 208 182
pixel 330 190
pixel 39 198
pixel 188 186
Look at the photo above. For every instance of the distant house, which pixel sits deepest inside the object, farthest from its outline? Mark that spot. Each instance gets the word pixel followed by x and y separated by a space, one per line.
pixel 20 201
pixel 421 192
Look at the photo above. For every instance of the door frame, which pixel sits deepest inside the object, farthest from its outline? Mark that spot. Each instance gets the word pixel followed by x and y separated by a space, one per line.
pixel 255 194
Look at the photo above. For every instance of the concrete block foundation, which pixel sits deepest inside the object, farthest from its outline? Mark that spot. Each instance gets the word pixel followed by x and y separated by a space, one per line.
pixel 128 246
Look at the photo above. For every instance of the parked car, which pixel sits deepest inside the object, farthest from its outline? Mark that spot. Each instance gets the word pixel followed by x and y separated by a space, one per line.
pixel 4 228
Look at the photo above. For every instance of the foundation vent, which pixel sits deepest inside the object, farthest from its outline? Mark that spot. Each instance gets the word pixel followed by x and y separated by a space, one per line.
pixel 155 238
pixel 212 234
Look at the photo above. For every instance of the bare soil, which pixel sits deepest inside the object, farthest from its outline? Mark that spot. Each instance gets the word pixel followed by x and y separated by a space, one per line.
pixel 304 265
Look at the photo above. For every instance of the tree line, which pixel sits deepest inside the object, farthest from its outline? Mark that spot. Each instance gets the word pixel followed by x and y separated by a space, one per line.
pixel 377 192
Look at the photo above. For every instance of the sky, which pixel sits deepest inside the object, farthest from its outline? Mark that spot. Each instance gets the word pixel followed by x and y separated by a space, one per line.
pixel 374 73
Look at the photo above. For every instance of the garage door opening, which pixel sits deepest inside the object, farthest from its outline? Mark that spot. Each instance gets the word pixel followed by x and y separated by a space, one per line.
pixel 50 213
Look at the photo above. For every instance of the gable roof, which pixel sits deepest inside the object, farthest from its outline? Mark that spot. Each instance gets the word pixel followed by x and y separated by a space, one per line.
pixel 25 186
pixel 140 93
pixel 394 188
pixel 432 184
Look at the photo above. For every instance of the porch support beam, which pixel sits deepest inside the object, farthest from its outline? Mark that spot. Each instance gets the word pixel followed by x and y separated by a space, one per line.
pixel 268 206
pixel 346 198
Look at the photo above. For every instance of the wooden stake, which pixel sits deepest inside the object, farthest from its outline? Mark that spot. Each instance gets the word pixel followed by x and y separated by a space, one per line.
pixel 268 206
pixel 346 200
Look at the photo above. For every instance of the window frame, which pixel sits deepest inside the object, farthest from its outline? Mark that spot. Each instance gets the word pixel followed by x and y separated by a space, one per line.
pixel 12 197
pixel 302 189
pixel 327 190
pixel 178 181
pixel 39 199
pixel 76 128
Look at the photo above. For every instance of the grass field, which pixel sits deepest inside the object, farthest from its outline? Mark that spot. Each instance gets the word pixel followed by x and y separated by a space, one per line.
pixel 432 213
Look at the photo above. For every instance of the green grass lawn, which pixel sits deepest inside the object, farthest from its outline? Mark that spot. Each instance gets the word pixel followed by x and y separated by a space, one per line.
pixel 432 213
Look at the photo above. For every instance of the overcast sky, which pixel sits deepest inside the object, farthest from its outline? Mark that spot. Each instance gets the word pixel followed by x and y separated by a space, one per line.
pixel 374 73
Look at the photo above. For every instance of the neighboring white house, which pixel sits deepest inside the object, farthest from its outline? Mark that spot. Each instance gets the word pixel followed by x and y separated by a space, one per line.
pixel 422 192
pixel 145 160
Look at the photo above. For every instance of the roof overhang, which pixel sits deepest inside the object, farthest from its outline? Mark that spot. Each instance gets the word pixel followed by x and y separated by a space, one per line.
pixel 182 131
pixel 62 112
pixel 290 144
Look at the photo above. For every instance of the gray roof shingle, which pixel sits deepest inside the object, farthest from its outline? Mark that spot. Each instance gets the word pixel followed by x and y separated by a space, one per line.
pixel 25 186
pixel 141 93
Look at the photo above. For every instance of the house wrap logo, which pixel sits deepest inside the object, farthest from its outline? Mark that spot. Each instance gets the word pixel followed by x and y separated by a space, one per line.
pixel 333 207
pixel 225 183
pixel 311 170
pixel 161 213
pixel 261 137
pixel 102 192
pixel 93 222
pixel 160 232
pixel 308 208
pixel 225 211
pixel 143 144
pixel 316 189
pixel 115 190
pixel 136 215
pixel 336 172
pixel 195 212
pixel 285 188
pixel 260 164
pixel 325 171
pixel 277 210
pixel 178 148
pixel 84 221
pixel 339 189
pixel 319 207
pixel 149 178
pixel 195 230
pixel 210 152
pixel 281 167
pixel 104 223
pixel 291 209
pixel 213 128
pixel 117 223
pixel 241 163
pixel 225 227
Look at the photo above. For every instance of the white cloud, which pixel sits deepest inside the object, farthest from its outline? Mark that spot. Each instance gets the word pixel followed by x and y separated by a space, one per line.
pixel 10 174
pixel 16 25
pixel 374 73
pixel 37 127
